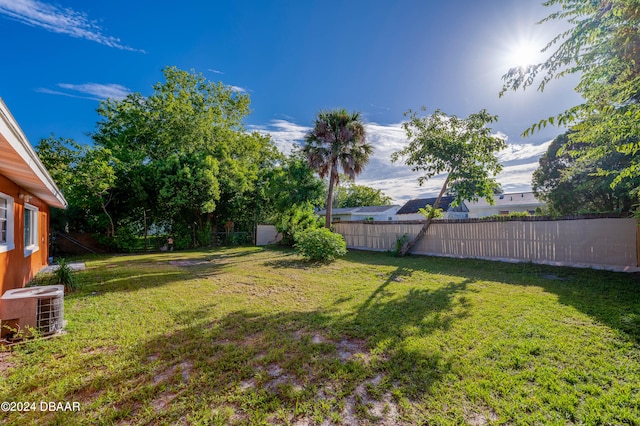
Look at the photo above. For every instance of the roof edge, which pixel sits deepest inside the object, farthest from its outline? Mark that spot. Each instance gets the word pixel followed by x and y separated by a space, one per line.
pixel 21 145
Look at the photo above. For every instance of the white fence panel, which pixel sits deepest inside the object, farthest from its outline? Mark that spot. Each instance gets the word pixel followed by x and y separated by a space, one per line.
pixel 609 243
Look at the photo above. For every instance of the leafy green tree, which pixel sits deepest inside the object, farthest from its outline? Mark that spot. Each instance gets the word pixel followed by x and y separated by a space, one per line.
pixel 337 142
pixel 571 184
pixel 59 156
pixel 243 174
pixel 603 48
pixel 292 182
pixel 182 153
pixel 462 148
pixel 94 181
pixel 430 213
pixel 352 195
pixel 86 176
pixel 179 159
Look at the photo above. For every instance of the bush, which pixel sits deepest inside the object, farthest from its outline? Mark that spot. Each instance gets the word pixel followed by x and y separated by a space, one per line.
pixel 64 275
pixel 298 218
pixel 400 242
pixel 320 244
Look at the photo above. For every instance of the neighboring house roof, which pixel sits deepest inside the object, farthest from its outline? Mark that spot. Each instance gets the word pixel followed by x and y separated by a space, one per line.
pixel 413 206
pixel 358 210
pixel 345 210
pixel 20 163
pixel 511 199
pixel 376 209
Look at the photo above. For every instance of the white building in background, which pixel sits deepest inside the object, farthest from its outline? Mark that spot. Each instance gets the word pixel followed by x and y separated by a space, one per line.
pixel 504 204
pixel 347 214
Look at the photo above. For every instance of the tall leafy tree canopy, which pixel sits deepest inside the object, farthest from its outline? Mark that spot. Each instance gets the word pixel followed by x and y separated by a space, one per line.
pixel 180 144
pixel 603 47
pixel 337 143
pixel 572 184
pixel 462 148
pixel 291 183
pixel 179 158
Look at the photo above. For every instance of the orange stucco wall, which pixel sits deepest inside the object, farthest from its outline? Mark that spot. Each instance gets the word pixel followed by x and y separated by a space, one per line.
pixel 16 269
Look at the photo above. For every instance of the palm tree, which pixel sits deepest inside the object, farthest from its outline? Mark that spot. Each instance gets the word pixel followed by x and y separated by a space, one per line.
pixel 337 141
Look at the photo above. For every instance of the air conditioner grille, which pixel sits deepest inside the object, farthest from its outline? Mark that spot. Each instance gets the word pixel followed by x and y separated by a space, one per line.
pixel 50 314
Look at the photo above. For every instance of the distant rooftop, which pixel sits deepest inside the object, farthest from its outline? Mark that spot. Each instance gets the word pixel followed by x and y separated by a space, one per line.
pixel 413 206
pixel 354 210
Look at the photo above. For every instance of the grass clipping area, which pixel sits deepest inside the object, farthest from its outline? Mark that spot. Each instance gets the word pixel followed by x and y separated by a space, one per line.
pixel 258 336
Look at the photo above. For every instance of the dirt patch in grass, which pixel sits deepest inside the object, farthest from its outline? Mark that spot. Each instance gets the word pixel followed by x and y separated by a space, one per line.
pixel 163 400
pixel 5 362
pixel 184 367
pixel 350 348
pixel 481 419
pixel 361 404
pixel 99 350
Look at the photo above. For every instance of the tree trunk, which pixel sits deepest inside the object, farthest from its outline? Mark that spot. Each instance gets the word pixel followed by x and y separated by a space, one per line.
pixel 327 220
pixel 409 245
pixel 112 229
pixel 144 217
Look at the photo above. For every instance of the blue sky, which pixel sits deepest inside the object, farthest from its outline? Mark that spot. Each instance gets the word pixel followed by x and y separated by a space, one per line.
pixel 293 58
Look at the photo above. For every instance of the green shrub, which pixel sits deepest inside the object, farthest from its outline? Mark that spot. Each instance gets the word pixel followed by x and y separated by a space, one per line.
pixel 298 218
pixel 64 275
pixel 320 244
pixel 203 236
pixel 400 242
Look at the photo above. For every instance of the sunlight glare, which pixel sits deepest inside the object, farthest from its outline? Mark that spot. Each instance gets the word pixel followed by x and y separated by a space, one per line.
pixel 523 54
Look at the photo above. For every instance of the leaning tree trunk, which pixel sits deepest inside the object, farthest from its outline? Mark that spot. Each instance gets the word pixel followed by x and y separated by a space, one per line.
pixel 112 227
pixel 410 244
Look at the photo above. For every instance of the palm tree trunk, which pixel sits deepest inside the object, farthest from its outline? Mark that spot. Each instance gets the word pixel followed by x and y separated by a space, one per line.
pixel 409 245
pixel 327 219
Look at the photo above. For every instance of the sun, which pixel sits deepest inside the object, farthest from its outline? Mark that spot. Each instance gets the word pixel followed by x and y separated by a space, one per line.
pixel 523 53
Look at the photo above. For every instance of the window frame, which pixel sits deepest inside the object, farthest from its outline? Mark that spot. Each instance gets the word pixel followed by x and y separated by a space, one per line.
pixel 32 245
pixel 9 243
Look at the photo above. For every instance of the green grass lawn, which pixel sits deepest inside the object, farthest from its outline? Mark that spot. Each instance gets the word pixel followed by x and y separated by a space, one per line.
pixel 258 336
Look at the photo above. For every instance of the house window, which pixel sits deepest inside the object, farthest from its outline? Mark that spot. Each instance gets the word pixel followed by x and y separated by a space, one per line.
pixel 30 229
pixel 6 223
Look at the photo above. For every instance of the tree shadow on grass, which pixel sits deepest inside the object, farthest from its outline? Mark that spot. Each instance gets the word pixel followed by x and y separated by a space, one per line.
pixel 612 298
pixel 309 367
pixel 133 275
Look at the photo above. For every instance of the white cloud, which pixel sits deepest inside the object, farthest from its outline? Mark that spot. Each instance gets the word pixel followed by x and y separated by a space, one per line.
pixel 95 90
pixel 515 152
pixel 101 91
pixel 239 89
pixel 396 179
pixel 285 134
pixel 215 71
pixel 59 20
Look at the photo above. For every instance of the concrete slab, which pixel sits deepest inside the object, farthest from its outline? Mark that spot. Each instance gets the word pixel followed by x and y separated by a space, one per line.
pixel 75 266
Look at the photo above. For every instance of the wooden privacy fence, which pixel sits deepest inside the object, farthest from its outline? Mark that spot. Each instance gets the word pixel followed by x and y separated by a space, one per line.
pixel 604 243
